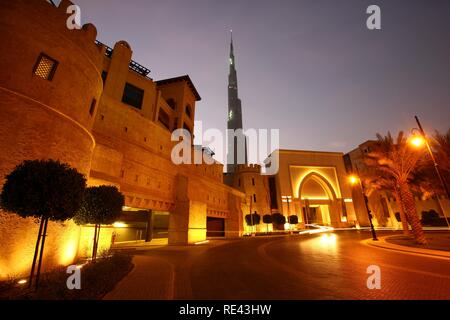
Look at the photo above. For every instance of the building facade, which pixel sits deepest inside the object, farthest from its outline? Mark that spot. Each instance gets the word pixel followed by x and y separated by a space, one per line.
pixel 314 186
pixel 66 96
pixel 382 204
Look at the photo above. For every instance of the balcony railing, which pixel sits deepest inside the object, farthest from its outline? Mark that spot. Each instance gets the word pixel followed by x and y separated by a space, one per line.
pixel 134 66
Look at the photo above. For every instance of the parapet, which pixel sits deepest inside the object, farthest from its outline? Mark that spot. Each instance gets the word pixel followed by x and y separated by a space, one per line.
pixel 247 168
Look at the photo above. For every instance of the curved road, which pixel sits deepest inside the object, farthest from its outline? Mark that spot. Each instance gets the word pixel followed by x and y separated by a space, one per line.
pixel 321 266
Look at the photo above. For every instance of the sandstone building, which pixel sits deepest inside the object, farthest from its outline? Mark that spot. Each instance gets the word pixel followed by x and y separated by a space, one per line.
pixel 66 96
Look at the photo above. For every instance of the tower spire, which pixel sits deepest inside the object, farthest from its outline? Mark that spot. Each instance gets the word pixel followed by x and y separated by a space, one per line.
pixel 237 146
pixel 231 43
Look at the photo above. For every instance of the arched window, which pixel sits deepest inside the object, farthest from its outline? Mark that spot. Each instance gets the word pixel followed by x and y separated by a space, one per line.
pixel 188 111
pixel 163 118
pixel 172 104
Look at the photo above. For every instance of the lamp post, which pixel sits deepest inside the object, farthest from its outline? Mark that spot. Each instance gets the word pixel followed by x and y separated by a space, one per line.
pixel 420 138
pixel 354 180
pixel 251 217
pixel 287 199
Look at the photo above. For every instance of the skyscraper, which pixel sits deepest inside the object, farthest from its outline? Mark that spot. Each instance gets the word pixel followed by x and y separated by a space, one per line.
pixel 237 144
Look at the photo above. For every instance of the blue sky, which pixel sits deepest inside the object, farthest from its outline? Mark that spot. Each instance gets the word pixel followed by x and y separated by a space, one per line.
pixel 310 68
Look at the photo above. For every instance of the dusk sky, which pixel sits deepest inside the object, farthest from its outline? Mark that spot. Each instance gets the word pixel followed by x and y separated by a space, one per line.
pixel 309 68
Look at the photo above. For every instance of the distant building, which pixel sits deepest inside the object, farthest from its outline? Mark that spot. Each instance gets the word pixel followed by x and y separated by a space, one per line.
pixel 383 205
pixel 314 186
pixel 237 144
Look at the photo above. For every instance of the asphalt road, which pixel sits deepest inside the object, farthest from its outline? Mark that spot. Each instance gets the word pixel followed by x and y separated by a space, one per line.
pixel 322 266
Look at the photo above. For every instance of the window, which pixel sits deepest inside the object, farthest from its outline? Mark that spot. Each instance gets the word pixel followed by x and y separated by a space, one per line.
pixel 163 117
pixel 188 111
pixel 104 75
pixel 273 193
pixel 92 108
pixel 254 197
pixel 239 182
pixel 172 104
pixel 253 181
pixel 45 67
pixel 186 127
pixel 133 96
pixel 175 124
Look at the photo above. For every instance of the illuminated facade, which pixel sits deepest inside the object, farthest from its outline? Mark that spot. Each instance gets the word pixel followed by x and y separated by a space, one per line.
pixel 313 186
pixel 383 205
pixel 66 96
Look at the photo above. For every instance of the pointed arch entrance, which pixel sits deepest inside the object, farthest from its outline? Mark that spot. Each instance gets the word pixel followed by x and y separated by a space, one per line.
pixel 317 197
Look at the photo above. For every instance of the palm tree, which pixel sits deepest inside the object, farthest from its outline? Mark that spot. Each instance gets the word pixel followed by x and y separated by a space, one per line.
pixel 440 143
pixel 425 178
pixel 393 163
pixel 376 181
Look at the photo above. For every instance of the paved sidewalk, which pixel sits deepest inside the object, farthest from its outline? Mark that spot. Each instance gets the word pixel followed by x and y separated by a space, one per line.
pixel 383 243
pixel 436 241
pixel 151 279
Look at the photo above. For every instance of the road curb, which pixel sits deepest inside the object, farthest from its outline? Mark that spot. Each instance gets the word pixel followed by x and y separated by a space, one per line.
pixel 382 243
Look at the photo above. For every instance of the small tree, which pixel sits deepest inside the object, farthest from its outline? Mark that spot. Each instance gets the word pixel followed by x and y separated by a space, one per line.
pixel 293 219
pixel 46 190
pixel 278 219
pixel 267 219
pixel 101 205
pixel 252 219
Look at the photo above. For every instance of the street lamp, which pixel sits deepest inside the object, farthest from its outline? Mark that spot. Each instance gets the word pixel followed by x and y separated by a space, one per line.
pixel 354 179
pixel 419 139
pixel 287 199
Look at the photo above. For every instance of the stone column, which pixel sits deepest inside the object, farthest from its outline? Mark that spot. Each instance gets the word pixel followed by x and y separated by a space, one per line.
pixel 149 233
pixel 187 223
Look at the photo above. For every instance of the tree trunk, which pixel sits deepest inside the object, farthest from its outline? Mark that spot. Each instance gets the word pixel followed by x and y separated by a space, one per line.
pixel 403 217
pixel 98 238
pixel 41 253
pixel 36 250
pixel 411 212
pixel 94 243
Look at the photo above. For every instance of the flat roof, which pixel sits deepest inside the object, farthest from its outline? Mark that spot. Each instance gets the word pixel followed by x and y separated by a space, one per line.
pixel 306 151
pixel 181 78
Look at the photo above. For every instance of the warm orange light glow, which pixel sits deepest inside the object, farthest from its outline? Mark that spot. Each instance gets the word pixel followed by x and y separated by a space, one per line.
pixel 23 281
pixel 119 225
pixel 68 251
pixel 328 240
pixel 353 179
pixel 201 242
pixel 417 141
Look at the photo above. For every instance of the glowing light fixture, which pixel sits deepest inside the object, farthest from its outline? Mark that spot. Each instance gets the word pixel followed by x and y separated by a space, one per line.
pixel 201 242
pixel 417 141
pixel 23 281
pixel 119 225
pixel 353 179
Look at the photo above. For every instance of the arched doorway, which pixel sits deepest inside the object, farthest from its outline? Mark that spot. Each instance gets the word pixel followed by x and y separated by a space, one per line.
pixel 316 197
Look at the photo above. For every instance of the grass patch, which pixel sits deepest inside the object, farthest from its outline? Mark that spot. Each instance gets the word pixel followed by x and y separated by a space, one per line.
pixel 97 279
